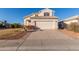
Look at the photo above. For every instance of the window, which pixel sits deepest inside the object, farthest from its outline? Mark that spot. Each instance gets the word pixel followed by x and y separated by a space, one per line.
pixel 29 20
pixel 46 14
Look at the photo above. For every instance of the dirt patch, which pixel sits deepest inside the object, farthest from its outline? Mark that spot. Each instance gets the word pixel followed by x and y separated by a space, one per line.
pixel 70 33
pixel 12 34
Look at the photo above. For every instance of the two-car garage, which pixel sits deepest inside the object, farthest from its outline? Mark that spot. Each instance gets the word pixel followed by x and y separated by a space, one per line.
pixel 46 24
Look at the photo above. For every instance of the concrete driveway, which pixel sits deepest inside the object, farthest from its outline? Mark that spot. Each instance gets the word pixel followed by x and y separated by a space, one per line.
pixel 47 40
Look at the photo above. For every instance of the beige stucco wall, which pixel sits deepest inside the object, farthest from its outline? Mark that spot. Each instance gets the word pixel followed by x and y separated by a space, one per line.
pixel 25 20
pixel 46 10
pixel 32 20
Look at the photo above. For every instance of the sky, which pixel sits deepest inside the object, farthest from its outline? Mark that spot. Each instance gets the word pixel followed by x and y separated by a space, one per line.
pixel 16 15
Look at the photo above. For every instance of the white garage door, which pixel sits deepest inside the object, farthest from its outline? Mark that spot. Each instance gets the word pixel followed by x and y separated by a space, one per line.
pixel 46 25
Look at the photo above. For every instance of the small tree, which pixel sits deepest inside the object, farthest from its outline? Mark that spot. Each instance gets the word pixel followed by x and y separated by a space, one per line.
pixel 16 25
pixel 1 25
pixel 73 27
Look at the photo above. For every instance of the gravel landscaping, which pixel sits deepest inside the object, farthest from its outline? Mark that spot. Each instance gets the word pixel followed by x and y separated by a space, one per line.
pixel 71 33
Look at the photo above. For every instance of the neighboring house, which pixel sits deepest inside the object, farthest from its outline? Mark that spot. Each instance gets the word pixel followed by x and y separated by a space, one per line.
pixel 44 19
pixel 72 20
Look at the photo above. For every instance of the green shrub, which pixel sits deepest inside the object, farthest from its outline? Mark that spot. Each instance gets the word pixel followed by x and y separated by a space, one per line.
pixel 16 25
pixel 1 24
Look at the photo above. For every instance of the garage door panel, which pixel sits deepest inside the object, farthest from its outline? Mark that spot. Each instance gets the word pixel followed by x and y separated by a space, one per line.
pixel 45 25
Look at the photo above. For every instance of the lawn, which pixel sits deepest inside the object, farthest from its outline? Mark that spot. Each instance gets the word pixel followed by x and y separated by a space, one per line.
pixel 12 33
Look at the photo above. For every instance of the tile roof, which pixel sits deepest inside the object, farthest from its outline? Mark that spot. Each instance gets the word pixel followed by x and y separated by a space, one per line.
pixel 72 18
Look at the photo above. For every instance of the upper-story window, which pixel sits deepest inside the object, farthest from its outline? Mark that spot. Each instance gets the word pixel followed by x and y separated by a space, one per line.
pixel 46 14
